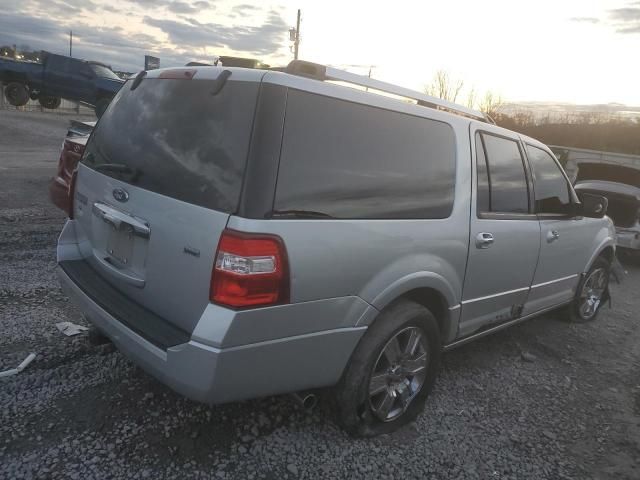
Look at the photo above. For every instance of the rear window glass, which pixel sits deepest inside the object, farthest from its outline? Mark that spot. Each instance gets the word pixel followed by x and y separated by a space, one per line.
pixel 347 160
pixel 175 138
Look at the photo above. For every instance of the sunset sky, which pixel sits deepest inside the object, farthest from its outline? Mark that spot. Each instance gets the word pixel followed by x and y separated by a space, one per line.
pixel 544 50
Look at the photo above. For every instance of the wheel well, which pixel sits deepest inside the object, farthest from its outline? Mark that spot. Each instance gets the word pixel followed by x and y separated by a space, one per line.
pixel 607 253
pixel 7 79
pixel 436 303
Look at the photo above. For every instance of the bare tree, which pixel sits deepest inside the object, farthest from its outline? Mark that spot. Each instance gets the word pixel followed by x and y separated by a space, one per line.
pixel 471 98
pixel 491 104
pixel 443 86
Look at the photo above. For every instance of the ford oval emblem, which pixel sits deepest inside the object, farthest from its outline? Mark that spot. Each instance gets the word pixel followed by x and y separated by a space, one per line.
pixel 120 195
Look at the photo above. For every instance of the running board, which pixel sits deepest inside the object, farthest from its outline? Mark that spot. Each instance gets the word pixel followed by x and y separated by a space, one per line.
pixel 489 331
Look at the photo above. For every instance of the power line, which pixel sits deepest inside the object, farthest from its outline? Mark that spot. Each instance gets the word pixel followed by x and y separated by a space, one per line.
pixel 296 45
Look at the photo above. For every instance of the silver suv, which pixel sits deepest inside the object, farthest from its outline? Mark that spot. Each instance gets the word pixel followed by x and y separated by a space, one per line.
pixel 240 233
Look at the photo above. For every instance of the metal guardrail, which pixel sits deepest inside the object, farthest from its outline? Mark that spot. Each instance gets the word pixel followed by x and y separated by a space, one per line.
pixel 66 106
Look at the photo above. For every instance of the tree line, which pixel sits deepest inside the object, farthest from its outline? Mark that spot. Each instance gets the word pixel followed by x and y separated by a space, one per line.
pixel 593 132
pixel 589 130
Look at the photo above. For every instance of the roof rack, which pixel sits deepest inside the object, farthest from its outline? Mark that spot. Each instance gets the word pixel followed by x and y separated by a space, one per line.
pixel 322 72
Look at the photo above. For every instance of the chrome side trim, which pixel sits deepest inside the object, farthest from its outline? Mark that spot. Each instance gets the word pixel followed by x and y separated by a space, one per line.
pixel 554 281
pixel 510 323
pixel 273 341
pixel 464 302
pixel 455 307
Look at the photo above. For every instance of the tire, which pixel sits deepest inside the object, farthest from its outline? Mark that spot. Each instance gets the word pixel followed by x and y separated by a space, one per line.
pixel 369 370
pixel 593 290
pixel 101 106
pixel 17 94
pixel 50 102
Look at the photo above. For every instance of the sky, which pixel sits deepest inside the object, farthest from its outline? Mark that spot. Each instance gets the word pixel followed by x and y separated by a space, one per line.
pixel 575 51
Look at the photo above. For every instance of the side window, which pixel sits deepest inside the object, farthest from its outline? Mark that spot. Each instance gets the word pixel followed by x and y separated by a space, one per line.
pixel 551 188
pixel 348 160
pixel 502 181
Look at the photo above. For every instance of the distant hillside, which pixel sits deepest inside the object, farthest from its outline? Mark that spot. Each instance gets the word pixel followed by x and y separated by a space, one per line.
pixel 607 132
pixel 569 113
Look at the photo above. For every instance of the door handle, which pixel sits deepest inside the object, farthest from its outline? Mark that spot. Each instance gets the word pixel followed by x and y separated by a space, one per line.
pixel 484 240
pixel 552 236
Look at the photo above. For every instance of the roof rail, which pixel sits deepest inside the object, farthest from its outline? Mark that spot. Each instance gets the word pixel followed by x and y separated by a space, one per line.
pixel 322 72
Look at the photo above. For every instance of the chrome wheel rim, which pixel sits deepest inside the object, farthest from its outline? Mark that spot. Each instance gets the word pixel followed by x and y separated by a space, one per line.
pixel 592 293
pixel 398 374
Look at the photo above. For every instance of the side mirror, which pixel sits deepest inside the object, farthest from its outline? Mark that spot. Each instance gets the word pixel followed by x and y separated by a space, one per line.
pixel 592 206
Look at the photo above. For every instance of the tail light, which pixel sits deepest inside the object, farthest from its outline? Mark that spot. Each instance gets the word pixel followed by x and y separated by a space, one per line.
pixel 250 270
pixel 71 192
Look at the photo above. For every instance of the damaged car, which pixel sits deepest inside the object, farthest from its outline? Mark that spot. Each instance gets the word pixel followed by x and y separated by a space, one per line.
pixel 621 186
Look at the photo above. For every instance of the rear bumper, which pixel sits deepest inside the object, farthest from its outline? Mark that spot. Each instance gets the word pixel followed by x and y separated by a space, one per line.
pixel 215 375
pixel 628 239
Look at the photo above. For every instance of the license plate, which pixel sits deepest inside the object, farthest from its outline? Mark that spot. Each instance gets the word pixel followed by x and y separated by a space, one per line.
pixel 120 243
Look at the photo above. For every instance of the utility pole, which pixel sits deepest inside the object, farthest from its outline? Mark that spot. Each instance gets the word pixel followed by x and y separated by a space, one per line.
pixel 70 43
pixel 296 44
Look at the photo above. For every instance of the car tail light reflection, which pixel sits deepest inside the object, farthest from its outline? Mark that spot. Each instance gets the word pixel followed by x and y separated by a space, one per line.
pixel 250 270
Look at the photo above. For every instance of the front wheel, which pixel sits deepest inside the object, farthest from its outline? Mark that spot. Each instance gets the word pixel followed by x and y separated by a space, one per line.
pixel 391 372
pixel 592 292
pixel 17 94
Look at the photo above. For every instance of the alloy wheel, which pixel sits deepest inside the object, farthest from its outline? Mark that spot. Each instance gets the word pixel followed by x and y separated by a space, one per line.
pixel 398 374
pixel 592 292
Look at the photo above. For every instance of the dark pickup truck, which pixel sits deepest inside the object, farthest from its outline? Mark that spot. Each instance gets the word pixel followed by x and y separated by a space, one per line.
pixel 57 77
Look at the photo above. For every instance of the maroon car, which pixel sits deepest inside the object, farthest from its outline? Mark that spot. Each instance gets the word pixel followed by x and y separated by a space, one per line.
pixel 70 155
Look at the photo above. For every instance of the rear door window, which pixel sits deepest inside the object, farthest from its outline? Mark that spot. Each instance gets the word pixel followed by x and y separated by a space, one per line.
pixel 176 138
pixel 348 160
pixel 502 181
pixel 551 187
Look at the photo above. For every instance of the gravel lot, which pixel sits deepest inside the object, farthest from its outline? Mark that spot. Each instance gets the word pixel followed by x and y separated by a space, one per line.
pixel 568 408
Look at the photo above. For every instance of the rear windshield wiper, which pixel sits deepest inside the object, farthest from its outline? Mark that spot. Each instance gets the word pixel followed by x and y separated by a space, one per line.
pixel 119 168
pixel 114 167
pixel 299 214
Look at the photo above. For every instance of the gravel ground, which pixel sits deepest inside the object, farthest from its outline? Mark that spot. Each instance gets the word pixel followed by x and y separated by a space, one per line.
pixel 543 400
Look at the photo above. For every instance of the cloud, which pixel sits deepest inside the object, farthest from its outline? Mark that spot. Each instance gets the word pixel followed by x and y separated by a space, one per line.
pixel 175 39
pixel 626 20
pixel 585 20
pixel 181 7
pixel 265 39
pixel 204 5
pixel 245 7
pixel 632 29
pixel 627 14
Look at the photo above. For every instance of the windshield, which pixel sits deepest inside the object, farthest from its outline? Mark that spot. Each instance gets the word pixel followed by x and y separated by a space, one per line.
pixel 104 72
pixel 175 138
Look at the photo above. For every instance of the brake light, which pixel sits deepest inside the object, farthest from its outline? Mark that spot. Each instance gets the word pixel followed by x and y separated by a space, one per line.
pixel 250 270
pixel 71 192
